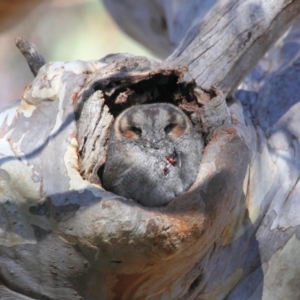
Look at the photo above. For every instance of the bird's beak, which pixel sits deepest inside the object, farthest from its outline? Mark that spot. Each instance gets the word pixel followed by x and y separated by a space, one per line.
pixel 174 158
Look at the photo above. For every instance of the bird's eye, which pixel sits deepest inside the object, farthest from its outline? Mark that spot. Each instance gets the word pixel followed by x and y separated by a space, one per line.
pixel 169 128
pixel 136 130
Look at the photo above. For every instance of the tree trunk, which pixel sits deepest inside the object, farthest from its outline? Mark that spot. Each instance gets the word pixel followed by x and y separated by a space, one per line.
pixel 230 235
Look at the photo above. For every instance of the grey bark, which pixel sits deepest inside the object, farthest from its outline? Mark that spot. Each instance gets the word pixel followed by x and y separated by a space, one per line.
pixel 235 33
pixel 228 237
pixel 34 59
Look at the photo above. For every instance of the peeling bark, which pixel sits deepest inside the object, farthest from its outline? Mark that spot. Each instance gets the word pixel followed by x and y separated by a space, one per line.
pixel 218 48
pixel 228 237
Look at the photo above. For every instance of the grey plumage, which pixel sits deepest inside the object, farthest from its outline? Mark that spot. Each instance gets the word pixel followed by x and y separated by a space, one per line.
pixel 153 154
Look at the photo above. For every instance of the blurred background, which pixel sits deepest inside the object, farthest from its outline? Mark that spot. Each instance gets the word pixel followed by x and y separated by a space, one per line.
pixel 62 30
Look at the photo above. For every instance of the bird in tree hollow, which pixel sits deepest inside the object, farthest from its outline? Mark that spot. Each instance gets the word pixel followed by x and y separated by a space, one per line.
pixel 153 154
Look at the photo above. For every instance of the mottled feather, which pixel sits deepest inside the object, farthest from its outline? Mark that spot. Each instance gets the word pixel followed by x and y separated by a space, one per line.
pixel 153 154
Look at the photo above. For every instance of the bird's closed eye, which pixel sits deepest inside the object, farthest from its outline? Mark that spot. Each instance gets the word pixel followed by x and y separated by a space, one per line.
pixel 169 128
pixel 136 130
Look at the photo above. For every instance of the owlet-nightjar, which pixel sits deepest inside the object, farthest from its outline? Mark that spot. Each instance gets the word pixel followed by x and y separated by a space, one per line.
pixel 153 154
